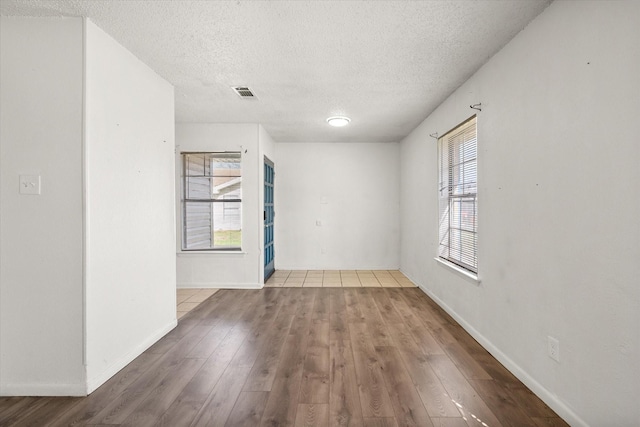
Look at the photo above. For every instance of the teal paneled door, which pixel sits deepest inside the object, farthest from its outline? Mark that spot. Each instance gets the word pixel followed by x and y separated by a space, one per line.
pixel 269 253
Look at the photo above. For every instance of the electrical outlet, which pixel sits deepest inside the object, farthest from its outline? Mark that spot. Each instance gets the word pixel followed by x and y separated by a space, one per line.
pixel 553 348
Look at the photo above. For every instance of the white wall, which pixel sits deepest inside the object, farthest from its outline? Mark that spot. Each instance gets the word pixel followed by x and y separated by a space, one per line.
pixel 353 190
pixel 130 256
pixel 204 269
pixel 87 267
pixel 41 317
pixel 558 209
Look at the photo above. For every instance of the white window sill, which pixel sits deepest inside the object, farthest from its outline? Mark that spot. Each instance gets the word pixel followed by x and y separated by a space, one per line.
pixel 465 274
pixel 210 252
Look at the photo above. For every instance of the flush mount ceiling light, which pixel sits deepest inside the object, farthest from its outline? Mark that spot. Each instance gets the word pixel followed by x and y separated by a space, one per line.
pixel 338 121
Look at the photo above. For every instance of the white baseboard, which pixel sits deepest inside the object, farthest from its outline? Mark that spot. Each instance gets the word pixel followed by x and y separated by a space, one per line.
pixel 337 268
pixel 114 368
pixel 212 285
pixel 547 397
pixel 75 390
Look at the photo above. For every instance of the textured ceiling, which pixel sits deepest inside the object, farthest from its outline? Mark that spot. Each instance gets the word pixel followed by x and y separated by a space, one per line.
pixel 385 64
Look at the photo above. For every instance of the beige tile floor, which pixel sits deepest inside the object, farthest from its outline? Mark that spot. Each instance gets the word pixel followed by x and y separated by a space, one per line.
pixel 339 278
pixel 188 299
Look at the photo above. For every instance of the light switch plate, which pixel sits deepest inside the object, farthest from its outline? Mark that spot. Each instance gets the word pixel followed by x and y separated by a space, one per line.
pixel 30 184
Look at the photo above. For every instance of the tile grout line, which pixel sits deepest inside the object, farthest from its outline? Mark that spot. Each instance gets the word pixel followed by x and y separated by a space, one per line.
pixel 339 279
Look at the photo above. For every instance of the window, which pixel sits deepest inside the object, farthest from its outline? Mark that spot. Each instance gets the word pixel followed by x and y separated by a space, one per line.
pixel 212 201
pixel 458 192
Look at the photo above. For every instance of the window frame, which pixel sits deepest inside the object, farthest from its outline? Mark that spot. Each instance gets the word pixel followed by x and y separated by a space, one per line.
pixel 454 189
pixel 184 200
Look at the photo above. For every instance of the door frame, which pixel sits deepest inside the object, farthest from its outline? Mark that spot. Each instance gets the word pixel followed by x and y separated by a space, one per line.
pixel 268 209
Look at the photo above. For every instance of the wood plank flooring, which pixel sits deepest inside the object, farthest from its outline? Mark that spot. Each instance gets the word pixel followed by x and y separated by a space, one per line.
pixel 303 357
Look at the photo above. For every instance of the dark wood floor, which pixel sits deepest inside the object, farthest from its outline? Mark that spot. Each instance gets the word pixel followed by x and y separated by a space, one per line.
pixel 304 357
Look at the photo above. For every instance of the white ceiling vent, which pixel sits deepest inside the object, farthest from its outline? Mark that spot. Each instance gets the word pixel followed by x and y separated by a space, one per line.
pixel 244 92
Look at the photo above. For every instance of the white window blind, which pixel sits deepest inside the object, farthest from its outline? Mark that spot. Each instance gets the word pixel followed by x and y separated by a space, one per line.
pixel 458 193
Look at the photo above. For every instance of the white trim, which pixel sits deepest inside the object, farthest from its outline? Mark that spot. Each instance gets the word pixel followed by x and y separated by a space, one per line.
pixel 466 274
pixel 211 252
pixel 75 390
pixel 359 268
pixel 548 397
pixel 212 285
pixel 85 198
pixel 98 380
